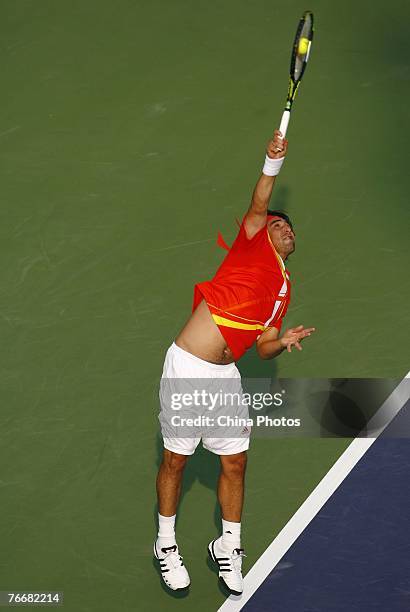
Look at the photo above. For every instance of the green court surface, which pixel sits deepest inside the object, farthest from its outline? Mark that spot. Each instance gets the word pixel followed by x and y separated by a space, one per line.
pixel 130 133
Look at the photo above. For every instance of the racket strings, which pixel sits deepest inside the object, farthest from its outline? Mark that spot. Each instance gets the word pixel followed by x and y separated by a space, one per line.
pixel 301 47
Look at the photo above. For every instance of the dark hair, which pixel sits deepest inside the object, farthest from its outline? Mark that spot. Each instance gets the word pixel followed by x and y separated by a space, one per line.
pixel 282 215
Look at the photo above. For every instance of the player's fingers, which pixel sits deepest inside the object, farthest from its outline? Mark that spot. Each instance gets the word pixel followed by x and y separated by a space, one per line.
pixel 297 344
pixel 289 348
pixel 278 148
pixel 278 142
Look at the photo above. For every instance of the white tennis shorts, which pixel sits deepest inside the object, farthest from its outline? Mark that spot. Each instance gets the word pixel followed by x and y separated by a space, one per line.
pixel 180 367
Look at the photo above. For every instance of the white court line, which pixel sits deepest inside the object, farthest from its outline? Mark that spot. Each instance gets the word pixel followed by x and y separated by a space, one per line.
pixel 319 496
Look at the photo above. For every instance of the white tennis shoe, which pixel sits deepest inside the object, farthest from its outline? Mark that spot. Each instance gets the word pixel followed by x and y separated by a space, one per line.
pixel 229 565
pixel 173 570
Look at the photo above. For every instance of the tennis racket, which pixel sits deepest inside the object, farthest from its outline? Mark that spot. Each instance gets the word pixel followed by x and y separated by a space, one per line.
pixel 298 61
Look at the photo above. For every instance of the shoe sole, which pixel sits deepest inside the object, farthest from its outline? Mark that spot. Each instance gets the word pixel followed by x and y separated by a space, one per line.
pixel 185 588
pixel 179 590
pixel 231 591
pixel 170 588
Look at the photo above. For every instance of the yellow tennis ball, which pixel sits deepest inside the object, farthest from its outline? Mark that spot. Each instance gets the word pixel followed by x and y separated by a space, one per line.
pixel 303 46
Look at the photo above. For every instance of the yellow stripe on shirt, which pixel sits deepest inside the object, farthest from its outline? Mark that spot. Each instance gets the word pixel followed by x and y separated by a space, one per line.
pixel 228 323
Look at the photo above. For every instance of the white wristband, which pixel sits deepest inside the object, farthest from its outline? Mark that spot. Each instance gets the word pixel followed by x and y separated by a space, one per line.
pixel 272 166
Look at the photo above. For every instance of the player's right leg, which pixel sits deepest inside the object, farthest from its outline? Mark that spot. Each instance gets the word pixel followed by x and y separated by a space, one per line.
pixel 169 482
pixel 179 443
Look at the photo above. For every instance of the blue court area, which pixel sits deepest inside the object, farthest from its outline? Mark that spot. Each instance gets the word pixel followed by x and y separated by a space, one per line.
pixel 355 555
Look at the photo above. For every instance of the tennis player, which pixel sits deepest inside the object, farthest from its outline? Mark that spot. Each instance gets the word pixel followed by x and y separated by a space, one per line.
pixel 243 304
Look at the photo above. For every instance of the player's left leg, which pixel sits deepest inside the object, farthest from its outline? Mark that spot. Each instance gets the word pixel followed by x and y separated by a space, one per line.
pixel 231 487
pixel 226 550
pixel 230 442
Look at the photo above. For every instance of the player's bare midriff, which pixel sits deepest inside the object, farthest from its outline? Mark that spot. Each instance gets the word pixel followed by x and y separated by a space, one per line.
pixel 201 337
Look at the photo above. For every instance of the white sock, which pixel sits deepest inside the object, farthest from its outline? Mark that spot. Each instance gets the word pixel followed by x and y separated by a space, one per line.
pixel 166 531
pixel 231 535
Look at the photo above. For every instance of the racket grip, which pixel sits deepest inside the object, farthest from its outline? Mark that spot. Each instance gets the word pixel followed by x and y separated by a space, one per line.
pixel 284 122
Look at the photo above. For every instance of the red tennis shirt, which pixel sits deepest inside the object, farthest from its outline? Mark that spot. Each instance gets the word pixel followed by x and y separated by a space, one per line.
pixel 249 293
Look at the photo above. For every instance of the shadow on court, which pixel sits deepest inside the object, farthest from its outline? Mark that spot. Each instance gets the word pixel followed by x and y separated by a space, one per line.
pixel 347 408
pixel 250 366
pixel 280 199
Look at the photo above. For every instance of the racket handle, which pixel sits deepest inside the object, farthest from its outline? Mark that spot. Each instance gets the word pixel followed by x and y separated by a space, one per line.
pixel 284 123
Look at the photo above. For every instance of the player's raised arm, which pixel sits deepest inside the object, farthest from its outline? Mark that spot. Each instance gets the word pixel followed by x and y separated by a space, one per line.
pixel 275 154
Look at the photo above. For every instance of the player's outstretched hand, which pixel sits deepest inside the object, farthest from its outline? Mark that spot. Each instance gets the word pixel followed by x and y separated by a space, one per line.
pixel 294 336
pixel 277 147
